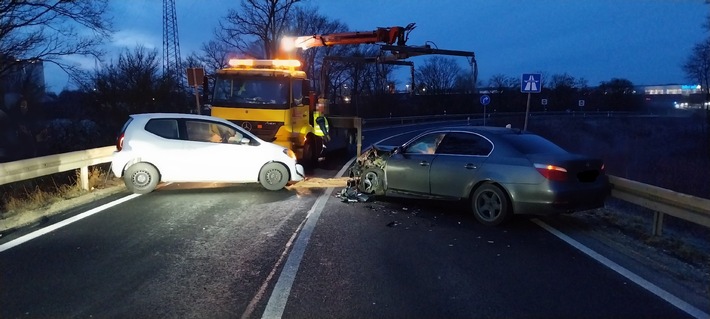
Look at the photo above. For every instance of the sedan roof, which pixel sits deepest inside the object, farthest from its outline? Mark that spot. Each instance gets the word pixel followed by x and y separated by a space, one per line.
pixel 484 130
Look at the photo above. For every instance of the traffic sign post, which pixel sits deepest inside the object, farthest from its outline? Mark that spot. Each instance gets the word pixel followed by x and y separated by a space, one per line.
pixel 485 100
pixel 530 83
pixel 194 78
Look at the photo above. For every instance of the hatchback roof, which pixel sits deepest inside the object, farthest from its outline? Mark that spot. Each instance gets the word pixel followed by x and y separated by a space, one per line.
pixel 173 115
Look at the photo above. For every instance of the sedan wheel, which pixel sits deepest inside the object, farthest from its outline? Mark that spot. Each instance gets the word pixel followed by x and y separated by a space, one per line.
pixel 372 181
pixel 141 178
pixel 273 176
pixel 490 205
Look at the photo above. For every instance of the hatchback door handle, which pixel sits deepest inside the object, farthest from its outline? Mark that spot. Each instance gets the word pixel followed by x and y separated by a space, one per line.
pixel 423 163
pixel 470 166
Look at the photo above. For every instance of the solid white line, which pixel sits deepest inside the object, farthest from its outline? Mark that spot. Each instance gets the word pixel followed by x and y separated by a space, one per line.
pixel 262 290
pixel 665 295
pixel 63 223
pixel 277 302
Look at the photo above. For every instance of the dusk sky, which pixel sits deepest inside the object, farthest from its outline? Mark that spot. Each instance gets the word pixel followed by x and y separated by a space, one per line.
pixel 644 41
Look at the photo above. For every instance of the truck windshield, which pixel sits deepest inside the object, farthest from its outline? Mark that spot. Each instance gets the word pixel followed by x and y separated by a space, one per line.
pixel 250 92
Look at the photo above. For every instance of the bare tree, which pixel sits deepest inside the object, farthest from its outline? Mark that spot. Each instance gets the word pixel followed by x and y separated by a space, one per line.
pixel 134 84
pixel 559 82
pixel 697 66
pixel 260 21
pixel 213 56
pixel 617 93
pixel 504 88
pixel 438 74
pixel 307 21
pixel 47 30
pixel 502 82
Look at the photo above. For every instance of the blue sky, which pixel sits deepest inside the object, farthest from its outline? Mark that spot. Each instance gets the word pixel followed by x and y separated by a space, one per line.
pixel 645 41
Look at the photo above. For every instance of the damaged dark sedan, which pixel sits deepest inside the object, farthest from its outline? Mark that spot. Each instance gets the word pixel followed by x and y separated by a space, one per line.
pixel 500 171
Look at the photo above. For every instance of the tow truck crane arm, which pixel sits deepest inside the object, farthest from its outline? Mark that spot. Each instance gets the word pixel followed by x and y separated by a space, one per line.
pixel 389 36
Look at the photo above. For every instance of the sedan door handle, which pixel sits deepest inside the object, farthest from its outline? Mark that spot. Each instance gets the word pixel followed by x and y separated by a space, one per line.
pixel 470 166
pixel 423 163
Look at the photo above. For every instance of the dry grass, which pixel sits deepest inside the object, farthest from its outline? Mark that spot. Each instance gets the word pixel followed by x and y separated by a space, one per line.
pixel 41 192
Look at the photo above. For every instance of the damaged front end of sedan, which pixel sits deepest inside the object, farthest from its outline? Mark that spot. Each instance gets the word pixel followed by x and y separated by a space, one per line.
pixel 367 173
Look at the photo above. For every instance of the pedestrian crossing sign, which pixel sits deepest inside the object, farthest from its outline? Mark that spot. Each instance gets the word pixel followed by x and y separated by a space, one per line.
pixel 531 83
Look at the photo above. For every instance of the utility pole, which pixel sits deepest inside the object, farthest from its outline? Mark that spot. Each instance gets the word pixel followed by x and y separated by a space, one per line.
pixel 171 44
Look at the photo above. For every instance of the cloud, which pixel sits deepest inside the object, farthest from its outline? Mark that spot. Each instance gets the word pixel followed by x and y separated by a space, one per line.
pixel 80 61
pixel 132 38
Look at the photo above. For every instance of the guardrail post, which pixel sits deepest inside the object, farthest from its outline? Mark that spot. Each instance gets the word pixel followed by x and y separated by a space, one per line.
pixel 657 224
pixel 84 177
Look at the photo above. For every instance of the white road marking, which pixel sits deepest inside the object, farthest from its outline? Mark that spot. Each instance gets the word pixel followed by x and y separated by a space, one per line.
pixel 279 296
pixel 63 223
pixel 665 295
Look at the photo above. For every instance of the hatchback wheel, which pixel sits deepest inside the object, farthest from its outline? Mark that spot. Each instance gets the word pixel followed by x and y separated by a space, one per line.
pixel 490 205
pixel 273 176
pixel 141 178
pixel 372 181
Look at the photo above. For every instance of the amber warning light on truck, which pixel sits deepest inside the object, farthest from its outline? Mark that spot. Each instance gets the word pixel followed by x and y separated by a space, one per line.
pixel 245 63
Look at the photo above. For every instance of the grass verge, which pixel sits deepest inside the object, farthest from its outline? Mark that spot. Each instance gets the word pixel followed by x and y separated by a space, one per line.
pixel 25 202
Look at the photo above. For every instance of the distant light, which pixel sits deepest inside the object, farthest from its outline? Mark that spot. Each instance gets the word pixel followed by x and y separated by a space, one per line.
pixel 690 87
pixel 288 44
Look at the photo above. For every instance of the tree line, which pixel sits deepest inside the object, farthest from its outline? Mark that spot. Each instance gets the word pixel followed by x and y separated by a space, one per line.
pixel 54 30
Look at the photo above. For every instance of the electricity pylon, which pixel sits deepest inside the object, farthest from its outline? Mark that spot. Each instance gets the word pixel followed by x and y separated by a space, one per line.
pixel 171 43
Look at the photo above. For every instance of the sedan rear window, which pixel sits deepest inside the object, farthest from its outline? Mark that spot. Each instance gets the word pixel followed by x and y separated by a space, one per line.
pixel 532 144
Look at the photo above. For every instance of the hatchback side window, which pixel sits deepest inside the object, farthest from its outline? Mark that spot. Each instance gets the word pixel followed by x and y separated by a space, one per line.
pixel 203 131
pixel 460 143
pixel 425 145
pixel 163 127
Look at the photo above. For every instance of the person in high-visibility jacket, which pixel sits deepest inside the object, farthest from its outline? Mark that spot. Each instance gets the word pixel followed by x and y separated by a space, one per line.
pixel 321 127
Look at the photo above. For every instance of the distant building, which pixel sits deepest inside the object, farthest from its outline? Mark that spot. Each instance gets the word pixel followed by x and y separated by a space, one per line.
pixel 672 95
pixel 672 89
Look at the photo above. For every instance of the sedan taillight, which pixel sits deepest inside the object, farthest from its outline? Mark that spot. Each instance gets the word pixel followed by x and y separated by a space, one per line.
pixel 552 172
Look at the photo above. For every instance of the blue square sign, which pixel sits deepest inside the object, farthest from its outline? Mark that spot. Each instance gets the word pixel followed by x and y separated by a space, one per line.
pixel 531 83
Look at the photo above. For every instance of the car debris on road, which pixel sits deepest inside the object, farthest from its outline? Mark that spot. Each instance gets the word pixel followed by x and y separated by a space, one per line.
pixel 350 193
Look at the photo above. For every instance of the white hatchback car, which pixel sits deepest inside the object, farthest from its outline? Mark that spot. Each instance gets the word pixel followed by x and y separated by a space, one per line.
pixel 196 148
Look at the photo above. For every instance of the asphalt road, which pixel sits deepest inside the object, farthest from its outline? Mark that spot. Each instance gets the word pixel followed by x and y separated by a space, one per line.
pixel 227 251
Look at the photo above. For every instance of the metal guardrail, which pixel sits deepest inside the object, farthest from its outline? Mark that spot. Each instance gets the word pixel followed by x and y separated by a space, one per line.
pixel 46 165
pixel 478 116
pixel 661 201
